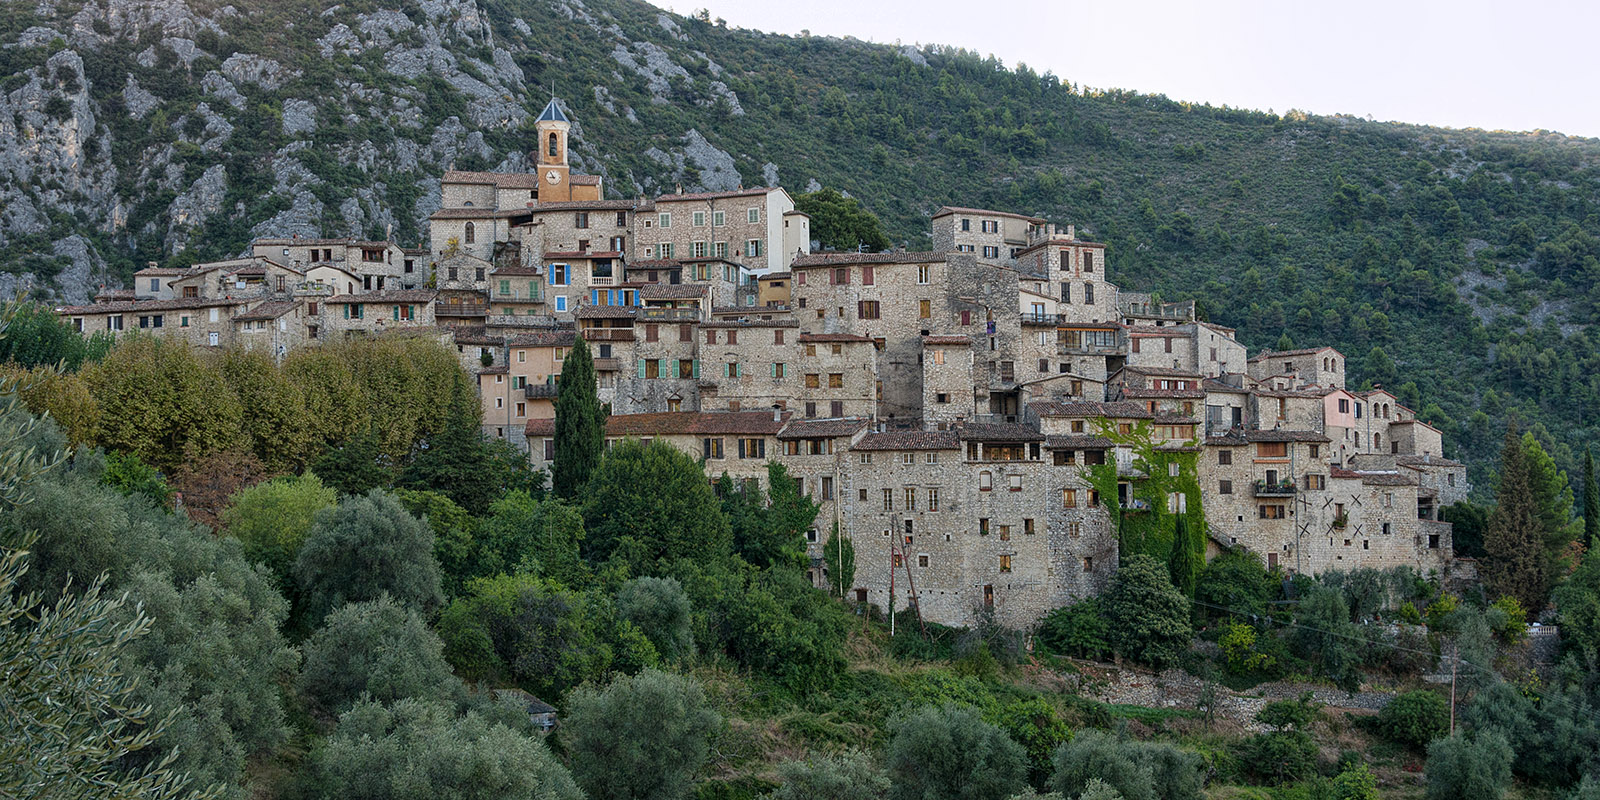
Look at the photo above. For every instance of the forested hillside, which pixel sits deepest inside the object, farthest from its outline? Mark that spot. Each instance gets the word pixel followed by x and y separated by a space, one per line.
pixel 1458 268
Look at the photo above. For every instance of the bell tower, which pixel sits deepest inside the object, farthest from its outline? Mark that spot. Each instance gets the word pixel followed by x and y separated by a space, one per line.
pixel 551 153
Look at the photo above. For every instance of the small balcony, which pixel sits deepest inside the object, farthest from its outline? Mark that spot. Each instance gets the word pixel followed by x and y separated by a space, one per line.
pixel 670 314
pixel 608 334
pixel 1279 489
pixel 608 365
pixel 539 391
pixel 460 309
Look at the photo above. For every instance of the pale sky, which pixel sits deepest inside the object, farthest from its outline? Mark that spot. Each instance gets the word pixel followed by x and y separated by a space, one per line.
pixel 1512 65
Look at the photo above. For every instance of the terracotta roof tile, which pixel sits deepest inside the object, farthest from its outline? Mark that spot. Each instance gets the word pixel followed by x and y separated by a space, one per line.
pixel 845 259
pixel 974 431
pixel 1304 351
pixel 808 338
pixel 1091 408
pixel 678 198
pixel 605 312
pixel 267 311
pixel 1078 442
pixel 671 291
pixel 543 339
pixel 948 210
pixel 947 340
pixel 125 306
pixel 400 296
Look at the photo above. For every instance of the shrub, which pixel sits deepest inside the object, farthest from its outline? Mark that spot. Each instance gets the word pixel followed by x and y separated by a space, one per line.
pixel 1078 630
pixel 1459 768
pixel 1415 718
pixel 950 752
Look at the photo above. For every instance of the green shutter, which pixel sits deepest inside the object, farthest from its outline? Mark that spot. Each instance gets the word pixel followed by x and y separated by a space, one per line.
pixel 396 313
pixel 346 310
pixel 641 368
pixel 774 371
pixel 663 368
pixel 697 368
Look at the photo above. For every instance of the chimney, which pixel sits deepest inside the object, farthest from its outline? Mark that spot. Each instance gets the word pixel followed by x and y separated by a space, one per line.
pixel 777 413
pixel 388 232
pixel 679 190
pixel 1072 231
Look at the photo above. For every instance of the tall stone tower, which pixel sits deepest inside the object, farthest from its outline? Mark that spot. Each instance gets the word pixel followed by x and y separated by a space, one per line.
pixel 554 174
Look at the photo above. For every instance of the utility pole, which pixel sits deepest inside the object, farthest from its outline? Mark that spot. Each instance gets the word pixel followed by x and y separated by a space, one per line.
pixel 1453 661
pixel 891 588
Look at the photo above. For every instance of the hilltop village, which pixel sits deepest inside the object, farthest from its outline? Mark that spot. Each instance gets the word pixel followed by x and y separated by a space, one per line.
pixel 985 422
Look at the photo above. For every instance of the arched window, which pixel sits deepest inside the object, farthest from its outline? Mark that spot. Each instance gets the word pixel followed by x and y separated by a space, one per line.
pixel 472 233
pixel 551 148
pixel 1377 441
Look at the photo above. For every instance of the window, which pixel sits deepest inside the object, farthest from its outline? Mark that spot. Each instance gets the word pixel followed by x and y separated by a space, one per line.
pixel 753 448
pixel 697 249
pixel 522 409
pixel 836 408
pixel 966 318
pixel 867 309
pixel 933 499
pixel 1224 487
pixel 582 220
pixel 1387 530
pixel 699 219
pixel 827 488
pixel 731 370
pixel 665 221
pixel 1088 263
pixel 1271 511
pixel 711 448
pixel 990 251
pixel 733 337
pixel 752 248
pixel 1314 482
pixel 665 250
pixel 1088 294
pixel 560 275
pixel 983 526
pixel 753 216
pixel 1069 498
pixel 718 219
pixel 924 274
pixel 1015 483
pixel 471 234
pixel 560 302
pixel 841 276
pixel 1272 450
pixel 966 224
pixel 835 380
pixel 867 276
pixel 813 380
pixel 720 250
pixel 1344 405
pixel 925 309
pixel 778 370
pixel 911 498
pixel 1088 563
pixel 985 481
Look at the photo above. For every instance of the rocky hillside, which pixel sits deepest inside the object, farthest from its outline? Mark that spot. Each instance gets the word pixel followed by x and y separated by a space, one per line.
pixel 1460 267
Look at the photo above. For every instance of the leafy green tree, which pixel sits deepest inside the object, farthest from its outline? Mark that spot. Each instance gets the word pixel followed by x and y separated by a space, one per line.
pixel 276 422
pixel 1378 369
pixel 580 423
pixel 1469 522
pixel 378 650
pixel 271 520
pixel 1415 718
pixel 1134 770
pixel 1188 557
pixel 363 549
pixel 1148 618
pixel 356 466
pixel 418 749
pixel 184 406
pixel 1287 753
pixel 70 713
pixel 841 223
pixel 526 535
pixel 775 622
pixel 645 736
pixel 1034 724
pixel 659 608
pixel 839 559
pixel 580 435
pixel 1577 602
pixel 1326 636
pixel 1238 582
pixel 454 535
pixel 1462 768
pixel 1079 630
pixel 653 503
pixel 456 460
pixel 1514 543
pixel 1356 783
pixel 1591 502
pixel 772 533
pixel 35 337
pixel 1552 492
pixel 517 627
pixel 850 775
pixel 950 752
pixel 132 477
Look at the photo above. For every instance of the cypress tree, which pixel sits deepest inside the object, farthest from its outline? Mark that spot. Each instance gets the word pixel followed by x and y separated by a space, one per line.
pixel 580 435
pixel 1591 502
pixel 839 557
pixel 1513 545
pixel 1186 560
